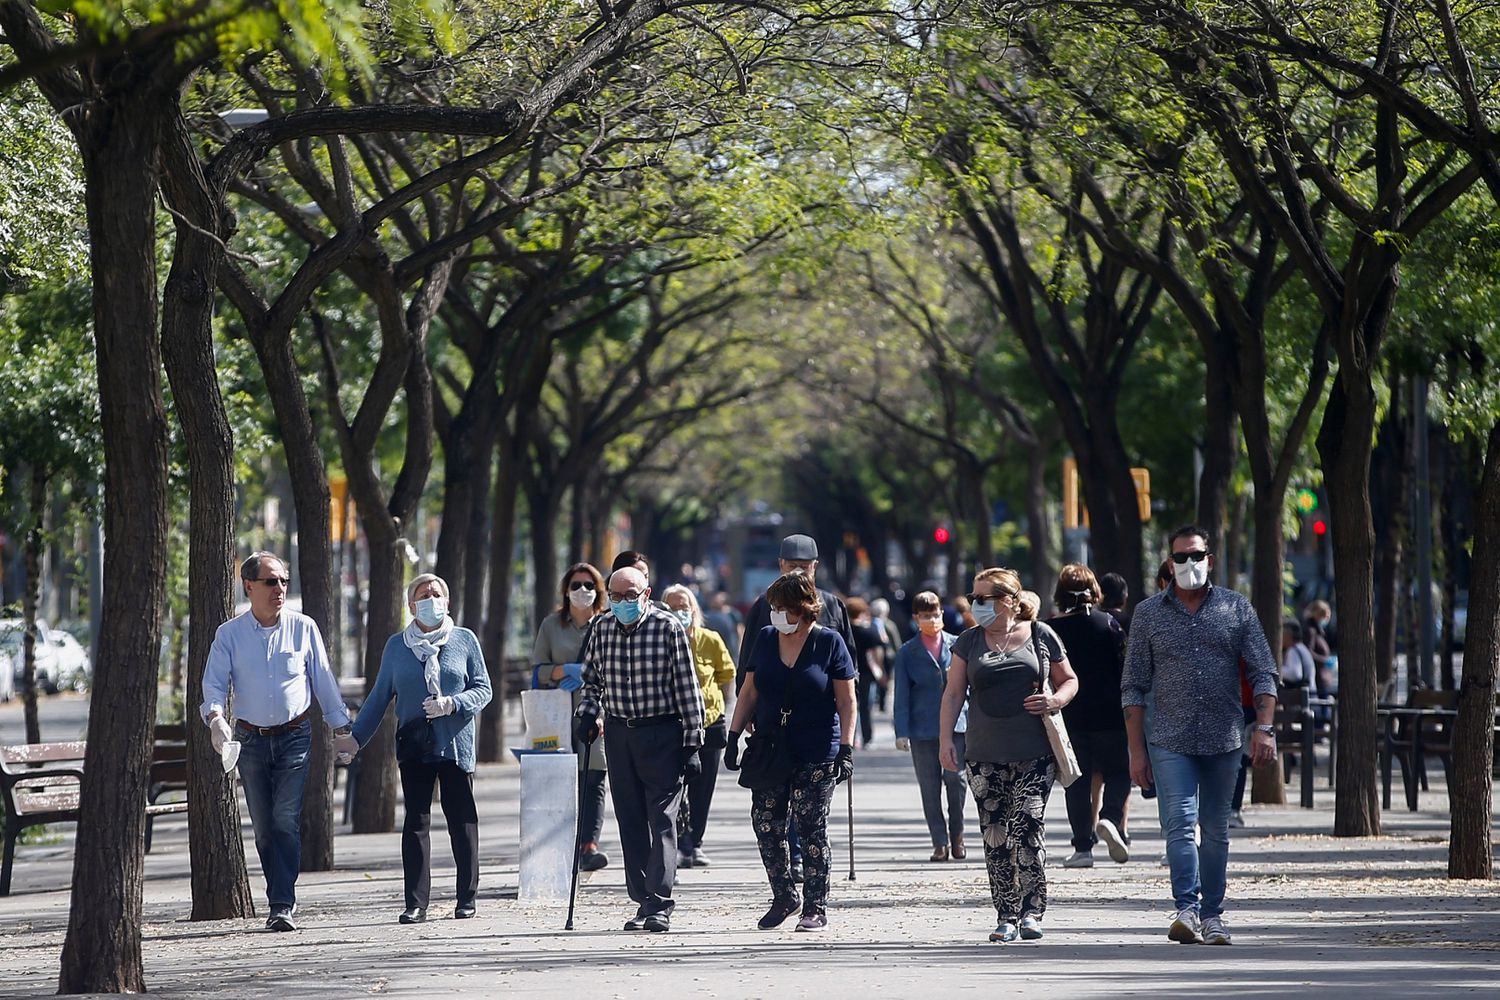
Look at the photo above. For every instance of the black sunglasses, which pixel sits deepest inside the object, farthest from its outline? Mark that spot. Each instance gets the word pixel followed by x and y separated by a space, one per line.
pixel 1182 557
pixel 986 598
pixel 274 581
pixel 581 585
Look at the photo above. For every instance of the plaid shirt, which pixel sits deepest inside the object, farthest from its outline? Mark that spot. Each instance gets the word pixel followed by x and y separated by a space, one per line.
pixel 641 672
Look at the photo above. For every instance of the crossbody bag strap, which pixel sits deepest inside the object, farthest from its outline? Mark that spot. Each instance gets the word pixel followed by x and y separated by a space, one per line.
pixel 1041 661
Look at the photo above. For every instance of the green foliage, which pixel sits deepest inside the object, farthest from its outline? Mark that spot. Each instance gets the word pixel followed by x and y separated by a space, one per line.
pixel 41 194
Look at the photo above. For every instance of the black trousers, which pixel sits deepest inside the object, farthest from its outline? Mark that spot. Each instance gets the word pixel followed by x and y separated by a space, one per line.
pixel 698 795
pixel 1107 753
pixel 591 820
pixel 645 783
pixel 417 781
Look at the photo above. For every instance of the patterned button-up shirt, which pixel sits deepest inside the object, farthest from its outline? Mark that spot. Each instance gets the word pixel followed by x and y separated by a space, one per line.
pixel 1186 667
pixel 642 672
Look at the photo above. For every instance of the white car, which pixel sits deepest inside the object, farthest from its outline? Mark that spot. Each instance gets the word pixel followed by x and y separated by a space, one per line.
pixel 7 678
pixel 12 633
pixel 74 670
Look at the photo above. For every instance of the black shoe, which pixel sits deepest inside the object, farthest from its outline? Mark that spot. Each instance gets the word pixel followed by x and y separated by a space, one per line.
pixel 281 919
pixel 592 860
pixel 413 915
pixel 779 911
pixel 658 922
pixel 464 911
pixel 797 875
pixel 812 921
pixel 636 923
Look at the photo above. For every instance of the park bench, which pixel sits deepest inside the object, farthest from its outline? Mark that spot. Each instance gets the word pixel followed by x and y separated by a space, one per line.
pixel 40 783
pixel 1296 733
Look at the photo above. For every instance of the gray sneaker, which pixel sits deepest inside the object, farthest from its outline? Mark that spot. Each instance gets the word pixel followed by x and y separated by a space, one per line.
pixel 700 860
pixel 1186 928
pixel 1109 835
pixel 1214 931
pixel 1079 859
pixel 1031 928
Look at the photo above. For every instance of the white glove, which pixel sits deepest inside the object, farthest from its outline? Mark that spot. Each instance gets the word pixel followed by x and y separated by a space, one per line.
pixel 903 744
pixel 439 705
pixel 219 733
pixel 346 746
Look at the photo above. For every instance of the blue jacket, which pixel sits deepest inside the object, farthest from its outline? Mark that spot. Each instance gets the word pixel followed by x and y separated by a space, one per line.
pixel 919 683
pixel 461 674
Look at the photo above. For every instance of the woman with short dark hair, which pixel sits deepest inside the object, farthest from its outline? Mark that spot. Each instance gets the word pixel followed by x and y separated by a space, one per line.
pixel 799 690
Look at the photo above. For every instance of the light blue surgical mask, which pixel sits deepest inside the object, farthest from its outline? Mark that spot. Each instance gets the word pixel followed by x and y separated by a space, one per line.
pixel 628 612
pixel 686 617
pixel 432 610
pixel 983 613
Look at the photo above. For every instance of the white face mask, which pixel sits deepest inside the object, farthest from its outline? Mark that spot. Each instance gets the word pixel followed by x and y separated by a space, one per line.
pixel 779 619
pixel 584 598
pixel 1191 575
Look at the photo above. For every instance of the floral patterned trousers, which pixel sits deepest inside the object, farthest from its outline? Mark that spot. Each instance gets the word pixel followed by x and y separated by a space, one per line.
pixel 806 798
pixel 1012 799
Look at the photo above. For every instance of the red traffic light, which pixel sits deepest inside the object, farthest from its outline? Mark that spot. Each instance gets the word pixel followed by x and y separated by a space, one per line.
pixel 1320 527
pixel 941 535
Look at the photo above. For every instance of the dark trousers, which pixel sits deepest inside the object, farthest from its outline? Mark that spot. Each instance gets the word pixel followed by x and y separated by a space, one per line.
pixel 645 782
pixel 1107 753
pixel 591 819
pixel 417 780
pixel 931 780
pixel 866 707
pixel 802 804
pixel 692 819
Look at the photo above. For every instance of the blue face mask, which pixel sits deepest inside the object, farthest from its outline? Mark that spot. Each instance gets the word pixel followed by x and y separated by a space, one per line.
pixel 628 612
pixel 686 617
pixel 432 610
pixel 983 613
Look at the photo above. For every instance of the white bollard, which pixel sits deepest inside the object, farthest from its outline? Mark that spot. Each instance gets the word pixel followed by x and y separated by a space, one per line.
pixel 549 825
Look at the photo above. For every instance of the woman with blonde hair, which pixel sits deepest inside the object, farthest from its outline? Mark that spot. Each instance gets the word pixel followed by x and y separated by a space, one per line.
pixel 715 677
pixel 999 668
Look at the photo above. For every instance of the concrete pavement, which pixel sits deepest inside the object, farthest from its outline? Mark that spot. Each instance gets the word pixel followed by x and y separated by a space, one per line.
pixel 1310 914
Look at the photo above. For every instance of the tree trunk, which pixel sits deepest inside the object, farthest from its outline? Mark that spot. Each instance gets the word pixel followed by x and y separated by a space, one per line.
pixel 220 884
pixel 1234 538
pixel 1219 456
pixel 1469 843
pixel 476 553
pixel 543 502
pixel 1391 506
pixel 118 141
pixel 1344 446
pixel 1038 528
pixel 466 458
pixel 497 616
pixel 1267 594
pixel 30 598
pixel 375 797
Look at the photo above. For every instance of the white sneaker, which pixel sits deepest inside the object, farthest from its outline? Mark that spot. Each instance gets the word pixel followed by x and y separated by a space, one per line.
pixel 700 860
pixel 1079 859
pixel 1214 931
pixel 1236 821
pixel 1109 835
pixel 1186 928
pixel 1166 861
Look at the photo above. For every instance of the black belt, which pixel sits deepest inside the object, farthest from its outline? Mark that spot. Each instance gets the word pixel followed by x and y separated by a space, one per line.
pixel 644 721
pixel 285 727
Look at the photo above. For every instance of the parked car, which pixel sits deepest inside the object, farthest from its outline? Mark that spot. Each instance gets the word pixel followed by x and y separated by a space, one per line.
pixel 7 678
pixel 12 634
pixel 74 669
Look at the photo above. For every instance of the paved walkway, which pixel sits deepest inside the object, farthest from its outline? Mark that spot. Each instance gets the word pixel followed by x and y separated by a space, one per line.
pixel 1311 915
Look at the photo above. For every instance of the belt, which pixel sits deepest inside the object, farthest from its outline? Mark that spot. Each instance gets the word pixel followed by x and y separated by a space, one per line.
pixel 644 721
pixel 285 727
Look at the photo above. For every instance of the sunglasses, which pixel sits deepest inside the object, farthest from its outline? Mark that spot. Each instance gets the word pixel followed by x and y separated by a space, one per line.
pixel 986 598
pixel 1180 558
pixel 581 585
pixel 274 581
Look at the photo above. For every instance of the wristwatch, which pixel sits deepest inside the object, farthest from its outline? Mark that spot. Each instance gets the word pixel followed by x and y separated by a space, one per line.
pixel 1268 729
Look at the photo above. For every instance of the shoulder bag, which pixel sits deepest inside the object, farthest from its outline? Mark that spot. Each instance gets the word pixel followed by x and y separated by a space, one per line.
pixel 1052 722
pixel 767 761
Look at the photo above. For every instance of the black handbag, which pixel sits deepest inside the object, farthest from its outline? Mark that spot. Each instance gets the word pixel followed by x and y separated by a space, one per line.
pixel 767 761
pixel 415 740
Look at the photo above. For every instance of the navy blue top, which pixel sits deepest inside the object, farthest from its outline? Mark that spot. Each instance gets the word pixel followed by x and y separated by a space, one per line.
pixel 806 687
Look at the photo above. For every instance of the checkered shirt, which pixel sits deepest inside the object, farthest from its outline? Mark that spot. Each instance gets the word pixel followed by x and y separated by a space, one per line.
pixel 641 672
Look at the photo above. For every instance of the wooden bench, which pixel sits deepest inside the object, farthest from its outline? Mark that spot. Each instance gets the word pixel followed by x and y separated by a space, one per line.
pixel 1296 732
pixel 168 768
pixel 40 784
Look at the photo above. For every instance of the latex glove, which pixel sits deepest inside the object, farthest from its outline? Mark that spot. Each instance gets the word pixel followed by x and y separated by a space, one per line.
pixel 346 746
pixel 692 766
pixel 903 744
pixel 587 728
pixel 843 765
pixel 572 678
pixel 732 751
pixel 437 706
pixel 219 733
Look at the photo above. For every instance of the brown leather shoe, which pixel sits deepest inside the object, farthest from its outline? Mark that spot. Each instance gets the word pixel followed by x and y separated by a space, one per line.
pixel 959 851
pixel 939 853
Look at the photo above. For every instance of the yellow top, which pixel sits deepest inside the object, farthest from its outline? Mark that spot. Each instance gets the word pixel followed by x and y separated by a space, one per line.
pixel 711 659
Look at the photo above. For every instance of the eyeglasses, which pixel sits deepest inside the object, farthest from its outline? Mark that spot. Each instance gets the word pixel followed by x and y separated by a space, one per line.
pixel 986 598
pixel 1182 557
pixel 274 581
pixel 632 595
pixel 581 585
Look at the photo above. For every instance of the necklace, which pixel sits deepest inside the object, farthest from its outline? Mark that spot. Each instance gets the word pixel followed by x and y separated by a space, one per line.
pixel 1004 646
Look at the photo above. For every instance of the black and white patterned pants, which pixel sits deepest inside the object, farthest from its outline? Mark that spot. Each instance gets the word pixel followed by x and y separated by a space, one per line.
pixel 806 798
pixel 1012 800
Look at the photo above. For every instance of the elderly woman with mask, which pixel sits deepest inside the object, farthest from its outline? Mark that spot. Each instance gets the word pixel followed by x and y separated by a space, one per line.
pixel 435 671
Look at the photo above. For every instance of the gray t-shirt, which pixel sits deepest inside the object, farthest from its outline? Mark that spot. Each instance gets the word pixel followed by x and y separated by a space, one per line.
pixel 1000 728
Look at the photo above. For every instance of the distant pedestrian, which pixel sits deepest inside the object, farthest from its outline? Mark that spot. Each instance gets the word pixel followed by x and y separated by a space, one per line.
pixel 556 664
pixel 1096 723
pixel 1114 595
pixel 1296 660
pixel 998 667
pixel 638 675
pixel 890 639
pixel 918 678
pixel 869 660
pixel 1183 660
pixel 721 616
pixel 434 670
pixel 715 675
pixel 799 681
pixel 272 662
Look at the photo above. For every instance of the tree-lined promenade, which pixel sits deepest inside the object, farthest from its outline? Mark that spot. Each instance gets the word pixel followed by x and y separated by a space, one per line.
pixel 478 285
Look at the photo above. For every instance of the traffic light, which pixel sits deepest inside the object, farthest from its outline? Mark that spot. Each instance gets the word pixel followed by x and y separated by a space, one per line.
pixel 941 535
pixel 1307 501
pixel 1320 527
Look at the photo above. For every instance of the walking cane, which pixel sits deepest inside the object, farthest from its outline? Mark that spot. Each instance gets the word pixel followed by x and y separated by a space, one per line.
pixel 588 749
pixel 850 784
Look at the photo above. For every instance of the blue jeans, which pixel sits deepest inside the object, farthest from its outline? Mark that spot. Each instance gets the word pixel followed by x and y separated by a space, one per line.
pixel 1196 789
pixel 273 770
pixel 931 780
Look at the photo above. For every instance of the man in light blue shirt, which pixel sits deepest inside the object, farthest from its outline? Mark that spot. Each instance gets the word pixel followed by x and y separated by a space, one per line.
pixel 273 661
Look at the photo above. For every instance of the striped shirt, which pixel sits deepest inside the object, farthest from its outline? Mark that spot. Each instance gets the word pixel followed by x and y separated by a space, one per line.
pixel 1188 666
pixel 642 672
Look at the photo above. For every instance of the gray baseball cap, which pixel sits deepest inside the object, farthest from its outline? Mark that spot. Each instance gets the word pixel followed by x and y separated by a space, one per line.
pixel 798 548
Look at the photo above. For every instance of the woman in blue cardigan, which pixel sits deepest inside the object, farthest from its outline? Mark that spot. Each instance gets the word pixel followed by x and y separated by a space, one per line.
pixel 435 671
pixel 919 676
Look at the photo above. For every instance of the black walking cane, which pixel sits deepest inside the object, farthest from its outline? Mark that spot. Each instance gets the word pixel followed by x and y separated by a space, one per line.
pixel 850 783
pixel 588 749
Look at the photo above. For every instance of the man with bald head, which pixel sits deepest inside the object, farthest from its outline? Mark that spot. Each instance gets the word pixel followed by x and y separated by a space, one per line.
pixel 640 690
